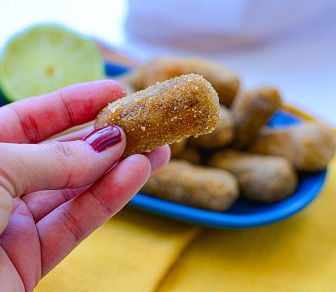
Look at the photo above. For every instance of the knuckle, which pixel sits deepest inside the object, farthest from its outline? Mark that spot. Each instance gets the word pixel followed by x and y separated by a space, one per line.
pixel 69 161
pixel 63 150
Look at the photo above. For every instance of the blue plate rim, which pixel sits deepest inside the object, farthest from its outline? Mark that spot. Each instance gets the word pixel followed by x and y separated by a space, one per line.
pixel 274 212
pixel 223 219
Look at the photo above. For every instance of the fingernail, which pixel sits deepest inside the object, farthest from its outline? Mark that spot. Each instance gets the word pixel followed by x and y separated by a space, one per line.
pixel 103 138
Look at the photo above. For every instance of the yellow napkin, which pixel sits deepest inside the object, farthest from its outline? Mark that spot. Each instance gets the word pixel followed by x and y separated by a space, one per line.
pixel 131 252
pixel 138 251
pixel 298 254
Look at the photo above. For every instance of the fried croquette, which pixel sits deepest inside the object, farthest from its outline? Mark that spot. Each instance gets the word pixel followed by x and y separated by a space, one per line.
pixel 308 145
pixel 177 148
pixel 164 113
pixel 251 110
pixel 261 178
pixel 198 186
pixel 222 136
pixel 192 154
pixel 225 81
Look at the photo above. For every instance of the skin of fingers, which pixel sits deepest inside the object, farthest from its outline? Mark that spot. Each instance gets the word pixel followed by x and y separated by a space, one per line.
pixel 76 135
pixel 16 223
pixel 41 203
pixel 35 119
pixel 74 164
pixel 72 222
pixel 6 208
pixel 158 157
pixel 40 206
pixel 21 233
pixel 7 273
pixel 66 226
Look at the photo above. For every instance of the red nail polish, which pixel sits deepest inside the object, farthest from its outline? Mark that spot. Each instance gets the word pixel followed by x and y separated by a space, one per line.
pixel 103 138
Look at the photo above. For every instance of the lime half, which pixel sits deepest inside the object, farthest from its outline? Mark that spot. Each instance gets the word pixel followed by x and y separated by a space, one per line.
pixel 46 58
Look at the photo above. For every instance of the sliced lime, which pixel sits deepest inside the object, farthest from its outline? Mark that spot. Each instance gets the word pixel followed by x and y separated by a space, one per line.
pixel 46 58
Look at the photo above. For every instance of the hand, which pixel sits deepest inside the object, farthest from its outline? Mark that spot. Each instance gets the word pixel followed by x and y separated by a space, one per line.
pixel 54 193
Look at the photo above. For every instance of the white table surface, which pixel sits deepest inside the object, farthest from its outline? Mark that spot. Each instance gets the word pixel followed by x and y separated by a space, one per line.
pixel 302 64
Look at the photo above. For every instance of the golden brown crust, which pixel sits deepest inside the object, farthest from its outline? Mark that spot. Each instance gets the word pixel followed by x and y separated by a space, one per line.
pixel 164 113
pixel 251 110
pixel 191 154
pixel 201 187
pixel 177 148
pixel 222 136
pixel 309 146
pixel 225 81
pixel 261 178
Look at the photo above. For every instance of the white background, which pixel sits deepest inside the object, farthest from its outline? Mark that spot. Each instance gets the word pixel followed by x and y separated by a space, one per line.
pixel 301 63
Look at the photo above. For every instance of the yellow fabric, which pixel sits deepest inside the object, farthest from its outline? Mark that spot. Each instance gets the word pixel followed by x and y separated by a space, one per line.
pixel 298 254
pixel 132 252
pixel 138 251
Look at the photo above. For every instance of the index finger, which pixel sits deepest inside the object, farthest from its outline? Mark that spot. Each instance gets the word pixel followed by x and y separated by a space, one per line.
pixel 35 119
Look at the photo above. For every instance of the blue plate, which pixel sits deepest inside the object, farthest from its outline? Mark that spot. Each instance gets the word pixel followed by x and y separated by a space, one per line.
pixel 244 213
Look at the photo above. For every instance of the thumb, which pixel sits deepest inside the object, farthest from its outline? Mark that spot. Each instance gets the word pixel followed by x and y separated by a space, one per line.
pixel 27 168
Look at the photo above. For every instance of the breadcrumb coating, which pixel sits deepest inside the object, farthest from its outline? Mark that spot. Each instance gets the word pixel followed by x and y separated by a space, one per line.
pixel 308 145
pixel 225 81
pixel 222 136
pixel 164 113
pixel 251 110
pixel 198 186
pixel 261 178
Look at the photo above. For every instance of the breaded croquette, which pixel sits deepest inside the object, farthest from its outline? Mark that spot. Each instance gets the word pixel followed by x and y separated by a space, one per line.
pixel 191 154
pixel 164 113
pixel 222 136
pixel 225 81
pixel 197 186
pixel 251 110
pixel 308 145
pixel 177 148
pixel 261 178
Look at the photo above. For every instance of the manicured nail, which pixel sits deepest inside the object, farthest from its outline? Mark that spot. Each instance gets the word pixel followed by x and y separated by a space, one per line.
pixel 103 138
